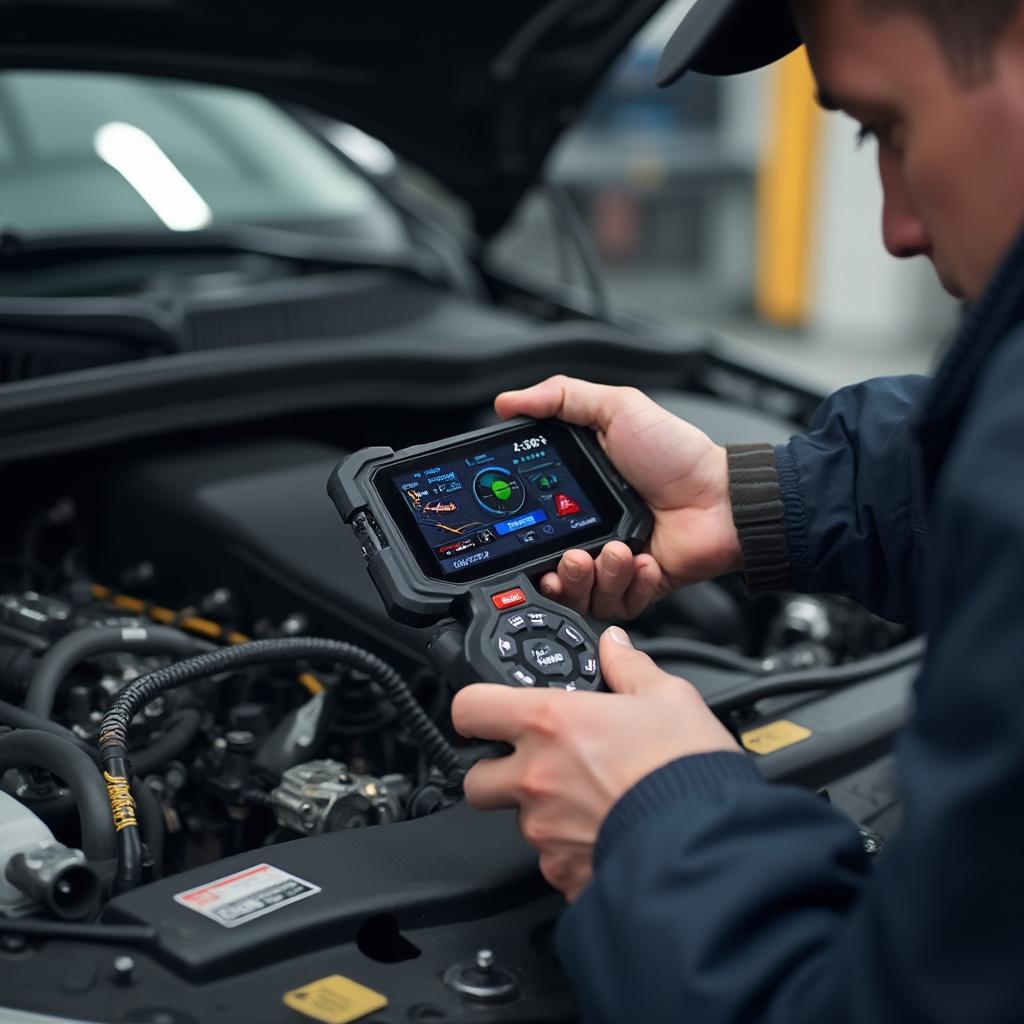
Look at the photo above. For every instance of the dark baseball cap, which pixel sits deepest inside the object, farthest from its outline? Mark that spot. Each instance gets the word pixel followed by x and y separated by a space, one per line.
pixel 728 37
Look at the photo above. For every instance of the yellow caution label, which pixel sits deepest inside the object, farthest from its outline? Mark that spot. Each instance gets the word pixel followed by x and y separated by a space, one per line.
pixel 335 1000
pixel 766 739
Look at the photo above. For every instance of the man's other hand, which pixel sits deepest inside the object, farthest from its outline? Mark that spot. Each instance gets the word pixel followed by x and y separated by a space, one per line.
pixel 577 753
pixel 677 470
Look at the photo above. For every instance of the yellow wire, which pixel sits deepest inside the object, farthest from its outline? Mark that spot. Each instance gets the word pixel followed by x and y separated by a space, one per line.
pixel 122 803
pixel 191 623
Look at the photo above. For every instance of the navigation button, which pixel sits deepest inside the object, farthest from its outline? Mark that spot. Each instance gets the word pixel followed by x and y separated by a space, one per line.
pixel 548 658
pixel 584 684
pixel 541 620
pixel 506 647
pixel 588 666
pixel 508 598
pixel 572 636
pixel 534 518
pixel 561 684
pixel 515 623
pixel 522 677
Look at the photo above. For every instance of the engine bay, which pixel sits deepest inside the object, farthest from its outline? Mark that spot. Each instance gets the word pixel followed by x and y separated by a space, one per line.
pixel 301 787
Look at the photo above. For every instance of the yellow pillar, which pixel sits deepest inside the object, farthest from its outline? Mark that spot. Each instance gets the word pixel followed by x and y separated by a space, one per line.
pixel 787 194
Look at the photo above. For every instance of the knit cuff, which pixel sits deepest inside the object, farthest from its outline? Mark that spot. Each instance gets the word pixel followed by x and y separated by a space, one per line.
pixel 759 515
pixel 684 777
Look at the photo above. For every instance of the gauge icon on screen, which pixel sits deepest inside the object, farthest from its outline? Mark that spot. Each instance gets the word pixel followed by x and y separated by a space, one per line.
pixel 499 491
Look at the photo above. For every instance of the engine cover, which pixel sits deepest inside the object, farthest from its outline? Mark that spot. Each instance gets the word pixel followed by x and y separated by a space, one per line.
pixel 254 519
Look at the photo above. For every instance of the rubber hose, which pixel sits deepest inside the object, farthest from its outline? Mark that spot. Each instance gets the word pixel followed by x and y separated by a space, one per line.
pixel 752 690
pixel 19 718
pixel 180 732
pixel 681 649
pixel 55 810
pixel 131 935
pixel 67 652
pixel 36 749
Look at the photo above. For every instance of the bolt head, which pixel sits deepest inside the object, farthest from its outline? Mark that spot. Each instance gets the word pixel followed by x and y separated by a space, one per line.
pixel 485 959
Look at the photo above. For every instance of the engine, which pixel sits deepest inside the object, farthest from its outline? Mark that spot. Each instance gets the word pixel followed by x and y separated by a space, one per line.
pixel 176 555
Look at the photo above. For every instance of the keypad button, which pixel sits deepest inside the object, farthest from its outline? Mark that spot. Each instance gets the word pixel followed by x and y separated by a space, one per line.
pixel 522 677
pixel 506 647
pixel 508 598
pixel 588 665
pixel 571 636
pixel 548 658
pixel 566 684
pixel 541 620
pixel 515 623
pixel 584 684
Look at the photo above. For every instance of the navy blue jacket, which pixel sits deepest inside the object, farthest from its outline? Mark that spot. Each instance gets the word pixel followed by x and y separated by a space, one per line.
pixel 721 899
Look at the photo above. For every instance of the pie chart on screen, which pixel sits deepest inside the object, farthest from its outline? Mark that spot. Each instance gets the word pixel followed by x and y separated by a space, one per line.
pixel 499 491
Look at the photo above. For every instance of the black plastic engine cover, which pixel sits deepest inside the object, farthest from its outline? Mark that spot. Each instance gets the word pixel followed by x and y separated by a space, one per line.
pixel 254 518
pixel 457 865
pixel 397 908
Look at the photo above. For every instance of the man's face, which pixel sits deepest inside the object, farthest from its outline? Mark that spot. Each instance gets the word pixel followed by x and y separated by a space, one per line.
pixel 951 156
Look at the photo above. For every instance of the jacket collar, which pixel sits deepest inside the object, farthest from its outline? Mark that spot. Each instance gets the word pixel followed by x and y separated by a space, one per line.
pixel 990 320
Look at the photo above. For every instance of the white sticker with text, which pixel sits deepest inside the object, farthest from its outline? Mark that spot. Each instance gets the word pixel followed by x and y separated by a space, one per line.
pixel 246 895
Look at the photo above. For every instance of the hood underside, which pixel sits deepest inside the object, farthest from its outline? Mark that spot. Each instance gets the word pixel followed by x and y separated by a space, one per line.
pixel 476 93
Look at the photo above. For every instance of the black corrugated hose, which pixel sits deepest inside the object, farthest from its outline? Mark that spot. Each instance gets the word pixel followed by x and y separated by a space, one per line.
pixel 114 729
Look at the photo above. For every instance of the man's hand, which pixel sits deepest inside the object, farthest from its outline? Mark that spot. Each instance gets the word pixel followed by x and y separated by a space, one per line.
pixel 676 469
pixel 577 753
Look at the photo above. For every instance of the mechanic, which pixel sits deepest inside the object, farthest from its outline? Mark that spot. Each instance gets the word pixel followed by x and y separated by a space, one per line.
pixel 699 892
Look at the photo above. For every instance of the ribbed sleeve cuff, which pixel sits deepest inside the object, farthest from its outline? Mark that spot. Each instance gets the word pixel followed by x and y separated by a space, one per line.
pixel 685 777
pixel 795 517
pixel 759 514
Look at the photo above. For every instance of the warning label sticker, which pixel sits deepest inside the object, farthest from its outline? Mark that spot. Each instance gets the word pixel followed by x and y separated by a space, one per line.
pixel 246 895
pixel 774 736
pixel 335 1000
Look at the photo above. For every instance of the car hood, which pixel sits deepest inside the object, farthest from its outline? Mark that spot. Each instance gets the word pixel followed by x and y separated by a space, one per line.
pixel 475 92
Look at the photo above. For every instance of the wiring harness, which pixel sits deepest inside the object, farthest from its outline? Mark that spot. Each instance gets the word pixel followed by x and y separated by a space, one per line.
pixel 114 757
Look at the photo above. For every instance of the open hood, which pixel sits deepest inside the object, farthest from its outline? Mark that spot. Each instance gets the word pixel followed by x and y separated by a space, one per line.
pixel 474 91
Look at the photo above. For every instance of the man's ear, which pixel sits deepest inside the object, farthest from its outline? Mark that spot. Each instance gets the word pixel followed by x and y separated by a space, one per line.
pixel 1008 49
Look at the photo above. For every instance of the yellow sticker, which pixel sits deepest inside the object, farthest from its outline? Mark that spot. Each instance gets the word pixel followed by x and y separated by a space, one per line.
pixel 775 736
pixel 335 1000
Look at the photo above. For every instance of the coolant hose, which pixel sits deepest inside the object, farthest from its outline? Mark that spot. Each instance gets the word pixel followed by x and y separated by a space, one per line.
pixel 54 666
pixel 180 733
pixel 114 729
pixel 19 718
pixel 36 749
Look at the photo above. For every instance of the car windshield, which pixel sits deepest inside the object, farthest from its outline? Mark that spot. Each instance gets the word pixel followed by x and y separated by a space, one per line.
pixel 83 152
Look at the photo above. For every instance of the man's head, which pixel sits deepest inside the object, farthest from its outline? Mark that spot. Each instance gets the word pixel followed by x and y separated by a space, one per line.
pixel 939 83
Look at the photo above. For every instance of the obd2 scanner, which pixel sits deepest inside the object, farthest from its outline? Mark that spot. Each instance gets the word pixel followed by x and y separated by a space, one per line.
pixel 456 532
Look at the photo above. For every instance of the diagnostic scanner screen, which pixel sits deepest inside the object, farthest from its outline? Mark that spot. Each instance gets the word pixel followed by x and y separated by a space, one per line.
pixel 499 503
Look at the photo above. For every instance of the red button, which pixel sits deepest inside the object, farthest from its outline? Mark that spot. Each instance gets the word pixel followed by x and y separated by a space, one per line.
pixel 509 598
